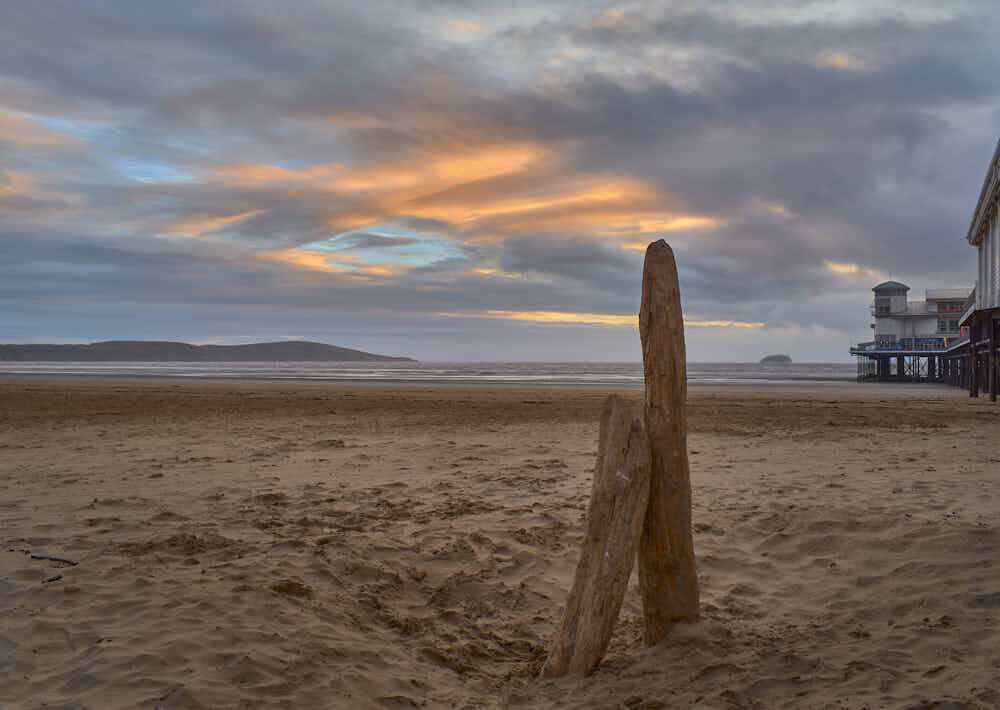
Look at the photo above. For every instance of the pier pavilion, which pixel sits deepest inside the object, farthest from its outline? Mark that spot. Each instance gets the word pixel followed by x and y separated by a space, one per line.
pixel 914 340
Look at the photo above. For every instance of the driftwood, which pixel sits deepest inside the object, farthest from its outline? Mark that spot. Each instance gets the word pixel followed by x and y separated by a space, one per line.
pixel 640 501
pixel 667 575
pixel 55 559
pixel 614 524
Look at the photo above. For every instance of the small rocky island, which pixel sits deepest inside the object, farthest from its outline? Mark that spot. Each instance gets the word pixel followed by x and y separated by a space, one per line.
pixel 776 360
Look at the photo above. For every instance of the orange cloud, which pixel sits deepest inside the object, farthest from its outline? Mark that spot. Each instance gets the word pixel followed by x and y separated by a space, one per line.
pixel 347 222
pixel 312 260
pixel 487 191
pixel 464 28
pixel 609 206
pixel 31 196
pixel 15 182
pixel 20 132
pixel 842 60
pixel 606 195
pixel 427 172
pixel 603 319
pixel 264 174
pixel 847 269
pixel 201 224
pixel 695 323
pixel 566 317
pixel 500 274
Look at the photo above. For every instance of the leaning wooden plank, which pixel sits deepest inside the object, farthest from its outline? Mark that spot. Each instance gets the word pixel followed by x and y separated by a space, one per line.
pixel 667 574
pixel 614 524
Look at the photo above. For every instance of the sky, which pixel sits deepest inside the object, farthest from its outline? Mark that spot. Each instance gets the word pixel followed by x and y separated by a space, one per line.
pixel 470 180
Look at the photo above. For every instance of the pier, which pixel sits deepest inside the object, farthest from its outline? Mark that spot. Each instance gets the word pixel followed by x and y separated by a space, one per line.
pixel 928 341
pixel 971 361
pixel 913 362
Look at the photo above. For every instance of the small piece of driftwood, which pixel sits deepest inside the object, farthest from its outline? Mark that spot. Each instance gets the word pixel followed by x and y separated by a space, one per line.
pixel 614 524
pixel 668 578
pixel 55 559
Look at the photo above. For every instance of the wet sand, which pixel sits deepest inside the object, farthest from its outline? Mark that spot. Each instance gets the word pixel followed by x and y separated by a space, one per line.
pixel 323 545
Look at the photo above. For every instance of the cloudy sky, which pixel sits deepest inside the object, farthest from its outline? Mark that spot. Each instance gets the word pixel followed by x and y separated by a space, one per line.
pixel 478 180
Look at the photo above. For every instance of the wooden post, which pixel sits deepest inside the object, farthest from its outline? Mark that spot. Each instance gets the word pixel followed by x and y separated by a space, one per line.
pixel 667 574
pixel 618 500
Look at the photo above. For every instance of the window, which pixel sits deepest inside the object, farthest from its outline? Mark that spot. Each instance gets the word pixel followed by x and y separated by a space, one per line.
pixel 882 305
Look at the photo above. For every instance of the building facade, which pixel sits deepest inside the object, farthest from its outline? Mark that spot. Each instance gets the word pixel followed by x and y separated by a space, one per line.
pixel 984 234
pixel 983 317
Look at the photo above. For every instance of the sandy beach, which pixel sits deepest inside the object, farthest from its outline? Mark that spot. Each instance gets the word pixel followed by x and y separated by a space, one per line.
pixel 171 544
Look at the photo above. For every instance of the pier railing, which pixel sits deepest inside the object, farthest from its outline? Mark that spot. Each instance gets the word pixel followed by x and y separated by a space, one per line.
pixel 914 345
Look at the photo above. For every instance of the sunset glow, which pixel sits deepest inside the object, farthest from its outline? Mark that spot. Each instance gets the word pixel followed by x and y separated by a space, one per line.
pixel 198 225
pixel 855 270
pixel 606 319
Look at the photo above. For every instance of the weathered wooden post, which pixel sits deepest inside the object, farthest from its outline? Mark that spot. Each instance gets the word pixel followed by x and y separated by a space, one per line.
pixel 667 574
pixel 640 504
pixel 614 525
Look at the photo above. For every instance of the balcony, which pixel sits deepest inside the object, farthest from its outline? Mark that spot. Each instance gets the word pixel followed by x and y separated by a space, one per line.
pixel 937 344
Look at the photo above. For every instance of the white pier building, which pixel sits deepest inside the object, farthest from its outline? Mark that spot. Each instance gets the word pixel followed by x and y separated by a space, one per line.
pixel 912 337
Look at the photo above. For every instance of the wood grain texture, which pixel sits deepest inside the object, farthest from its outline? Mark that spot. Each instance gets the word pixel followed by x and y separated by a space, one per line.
pixel 614 525
pixel 667 573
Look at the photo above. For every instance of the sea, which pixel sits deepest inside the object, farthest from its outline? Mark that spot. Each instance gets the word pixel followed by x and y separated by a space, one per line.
pixel 603 374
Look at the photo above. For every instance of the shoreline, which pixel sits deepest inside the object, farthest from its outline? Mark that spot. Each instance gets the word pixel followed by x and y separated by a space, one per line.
pixel 804 385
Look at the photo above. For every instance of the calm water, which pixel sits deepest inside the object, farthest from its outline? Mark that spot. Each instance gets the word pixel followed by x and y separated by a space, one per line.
pixel 623 374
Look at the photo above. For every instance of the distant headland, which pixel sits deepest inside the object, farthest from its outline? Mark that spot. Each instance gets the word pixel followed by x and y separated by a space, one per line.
pixel 158 351
pixel 775 360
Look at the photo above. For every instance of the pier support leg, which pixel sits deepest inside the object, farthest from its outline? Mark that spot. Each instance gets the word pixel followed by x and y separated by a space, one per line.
pixel 931 368
pixel 973 373
pixel 993 360
pixel 900 367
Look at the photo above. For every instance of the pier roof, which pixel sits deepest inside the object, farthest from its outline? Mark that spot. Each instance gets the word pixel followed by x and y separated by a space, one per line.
pixel 987 196
pixel 891 286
